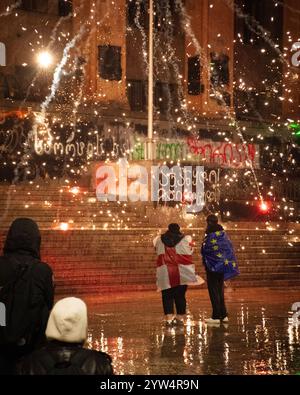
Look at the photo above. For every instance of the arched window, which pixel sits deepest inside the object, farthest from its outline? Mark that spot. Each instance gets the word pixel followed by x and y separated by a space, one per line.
pixel 2 55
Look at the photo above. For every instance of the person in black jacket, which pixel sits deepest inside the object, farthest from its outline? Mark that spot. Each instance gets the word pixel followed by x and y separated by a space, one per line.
pixel 215 281
pixel 27 284
pixel 64 353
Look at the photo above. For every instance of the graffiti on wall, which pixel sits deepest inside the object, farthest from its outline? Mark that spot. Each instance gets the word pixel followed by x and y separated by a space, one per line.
pixel 225 154
pixel 91 141
pixel 86 141
pixel 206 152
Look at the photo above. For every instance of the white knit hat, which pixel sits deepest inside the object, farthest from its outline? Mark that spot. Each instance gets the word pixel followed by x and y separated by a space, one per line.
pixel 68 321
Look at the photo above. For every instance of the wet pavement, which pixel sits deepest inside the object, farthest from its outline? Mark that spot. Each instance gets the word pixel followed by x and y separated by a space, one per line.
pixel 260 337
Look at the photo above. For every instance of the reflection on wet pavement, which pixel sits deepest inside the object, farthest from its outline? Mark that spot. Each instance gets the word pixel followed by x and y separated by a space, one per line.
pixel 259 339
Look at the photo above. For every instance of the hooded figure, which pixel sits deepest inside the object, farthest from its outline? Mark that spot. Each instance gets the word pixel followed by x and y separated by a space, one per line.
pixel 23 238
pixel 217 250
pixel 26 288
pixel 220 264
pixel 64 353
pixel 174 261
pixel 172 236
pixel 175 270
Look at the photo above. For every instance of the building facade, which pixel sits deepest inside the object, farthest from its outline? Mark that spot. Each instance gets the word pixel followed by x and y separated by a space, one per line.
pixel 225 89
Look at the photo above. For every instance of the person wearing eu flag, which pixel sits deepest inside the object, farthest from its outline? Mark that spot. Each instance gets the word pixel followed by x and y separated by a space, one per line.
pixel 220 265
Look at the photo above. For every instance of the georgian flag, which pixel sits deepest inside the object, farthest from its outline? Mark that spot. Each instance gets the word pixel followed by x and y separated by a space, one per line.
pixel 174 264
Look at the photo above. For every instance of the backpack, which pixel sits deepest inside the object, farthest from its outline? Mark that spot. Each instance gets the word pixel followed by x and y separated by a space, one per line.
pixel 15 296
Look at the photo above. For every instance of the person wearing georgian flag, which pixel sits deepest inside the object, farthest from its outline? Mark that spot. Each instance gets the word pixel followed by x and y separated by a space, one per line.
pixel 220 264
pixel 175 270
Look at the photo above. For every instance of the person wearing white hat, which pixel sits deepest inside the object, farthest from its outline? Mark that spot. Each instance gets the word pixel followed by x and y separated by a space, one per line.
pixel 68 321
pixel 64 353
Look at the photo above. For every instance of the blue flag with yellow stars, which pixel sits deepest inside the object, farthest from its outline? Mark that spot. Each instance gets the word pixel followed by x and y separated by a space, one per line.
pixel 218 255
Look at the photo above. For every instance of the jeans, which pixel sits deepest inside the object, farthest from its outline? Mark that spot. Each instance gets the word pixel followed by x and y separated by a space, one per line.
pixel 215 284
pixel 175 295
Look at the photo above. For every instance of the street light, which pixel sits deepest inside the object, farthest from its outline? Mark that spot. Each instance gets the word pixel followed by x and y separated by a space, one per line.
pixel 44 59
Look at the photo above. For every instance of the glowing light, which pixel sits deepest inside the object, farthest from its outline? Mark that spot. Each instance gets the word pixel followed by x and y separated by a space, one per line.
pixel 264 207
pixel 64 226
pixel 295 128
pixel 44 59
pixel 75 190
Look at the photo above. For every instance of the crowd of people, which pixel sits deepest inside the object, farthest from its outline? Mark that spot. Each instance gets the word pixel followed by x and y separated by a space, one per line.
pixel 40 338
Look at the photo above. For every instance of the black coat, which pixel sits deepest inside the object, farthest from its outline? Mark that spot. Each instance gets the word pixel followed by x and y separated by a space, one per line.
pixel 22 247
pixel 58 358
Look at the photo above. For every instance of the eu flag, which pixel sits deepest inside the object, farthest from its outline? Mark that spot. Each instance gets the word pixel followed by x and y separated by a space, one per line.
pixel 218 255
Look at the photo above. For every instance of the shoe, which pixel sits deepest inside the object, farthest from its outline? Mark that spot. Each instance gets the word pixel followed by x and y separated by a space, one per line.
pixel 169 323
pixel 212 321
pixel 179 322
pixel 225 319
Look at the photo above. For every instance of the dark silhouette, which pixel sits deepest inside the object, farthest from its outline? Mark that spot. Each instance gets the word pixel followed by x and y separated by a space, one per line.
pixel 220 264
pixel 26 290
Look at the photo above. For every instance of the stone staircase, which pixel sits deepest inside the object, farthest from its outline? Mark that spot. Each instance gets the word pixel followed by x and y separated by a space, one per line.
pixel 107 247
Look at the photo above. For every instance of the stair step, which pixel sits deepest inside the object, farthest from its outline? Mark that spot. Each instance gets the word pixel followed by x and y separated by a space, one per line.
pixel 114 252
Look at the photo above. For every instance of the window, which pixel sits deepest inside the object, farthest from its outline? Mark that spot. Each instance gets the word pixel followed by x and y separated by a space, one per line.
pixel 34 5
pixel 2 55
pixel 219 78
pixel 219 71
pixel 136 92
pixel 24 76
pixel 137 13
pixel 64 7
pixel 194 76
pixel 166 16
pixel 162 97
pixel 166 97
pixel 176 96
pixel 253 11
pixel 110 62
pixel 4 88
